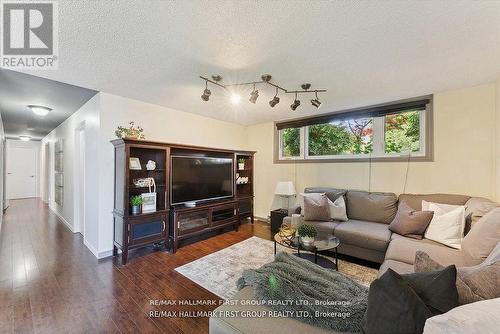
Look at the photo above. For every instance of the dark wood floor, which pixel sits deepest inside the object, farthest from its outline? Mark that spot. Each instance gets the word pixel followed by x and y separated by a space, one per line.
pixel 51 283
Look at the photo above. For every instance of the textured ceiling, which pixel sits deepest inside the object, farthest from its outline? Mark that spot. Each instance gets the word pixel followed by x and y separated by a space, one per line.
pixel 18 90
pixel 362 52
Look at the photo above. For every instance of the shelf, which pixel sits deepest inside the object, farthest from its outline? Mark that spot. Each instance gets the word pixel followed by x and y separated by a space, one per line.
pixel 243 184
pixel 157 186
pixel 148 170
pixel 244 170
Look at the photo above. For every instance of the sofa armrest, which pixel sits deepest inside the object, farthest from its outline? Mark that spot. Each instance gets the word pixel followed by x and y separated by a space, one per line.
pixel 296 209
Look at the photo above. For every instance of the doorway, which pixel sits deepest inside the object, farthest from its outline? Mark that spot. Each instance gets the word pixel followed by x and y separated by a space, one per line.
pixel 79 192
pixel 22 169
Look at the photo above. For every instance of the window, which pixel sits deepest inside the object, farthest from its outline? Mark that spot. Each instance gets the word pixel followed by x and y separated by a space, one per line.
pixel 391 131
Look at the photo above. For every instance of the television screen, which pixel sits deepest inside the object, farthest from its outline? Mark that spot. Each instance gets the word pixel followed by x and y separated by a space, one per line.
pixel 201 178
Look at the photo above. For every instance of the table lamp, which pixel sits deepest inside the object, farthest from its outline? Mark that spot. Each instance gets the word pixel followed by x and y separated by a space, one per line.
pixel 285 189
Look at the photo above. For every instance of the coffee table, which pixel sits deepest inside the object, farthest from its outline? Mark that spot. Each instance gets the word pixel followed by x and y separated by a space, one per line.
pixel 320 244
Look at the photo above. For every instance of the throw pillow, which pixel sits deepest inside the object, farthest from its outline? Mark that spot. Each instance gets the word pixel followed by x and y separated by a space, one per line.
pixel 410 223
pixel 315 196
pixel 402 303
pixel 447 224
pixel 338 209
pixel 316 208
pixel 479 317
pixel 484 236
pixel 473 283
pixel 390 300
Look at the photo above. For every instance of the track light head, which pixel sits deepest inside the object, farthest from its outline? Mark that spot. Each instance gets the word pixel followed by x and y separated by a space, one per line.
pixel 316 102
pixel 206 94
pixel 253 96
pixel 274 101
pixel 295 104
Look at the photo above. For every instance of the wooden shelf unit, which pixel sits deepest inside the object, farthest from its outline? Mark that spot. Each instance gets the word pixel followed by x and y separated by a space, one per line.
pixel 170 224
pixel 148 228
pixel 244 192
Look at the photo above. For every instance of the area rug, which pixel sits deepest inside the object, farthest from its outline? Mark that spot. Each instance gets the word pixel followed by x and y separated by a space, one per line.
pixel 218 272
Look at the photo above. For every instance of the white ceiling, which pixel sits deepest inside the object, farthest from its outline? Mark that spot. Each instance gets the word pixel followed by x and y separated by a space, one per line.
pixel 362 52
pixel 18 90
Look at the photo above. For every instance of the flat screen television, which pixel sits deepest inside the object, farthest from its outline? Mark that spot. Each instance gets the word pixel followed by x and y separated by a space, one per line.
pixel 196 178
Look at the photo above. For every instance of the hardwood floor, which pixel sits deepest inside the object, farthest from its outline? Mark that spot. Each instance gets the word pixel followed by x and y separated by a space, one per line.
pixel 51 283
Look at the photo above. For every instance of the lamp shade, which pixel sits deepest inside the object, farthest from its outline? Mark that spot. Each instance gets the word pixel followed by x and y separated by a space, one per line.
pixel 285 188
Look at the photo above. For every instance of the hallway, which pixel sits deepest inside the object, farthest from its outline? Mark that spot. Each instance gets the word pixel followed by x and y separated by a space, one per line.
pixel 51 283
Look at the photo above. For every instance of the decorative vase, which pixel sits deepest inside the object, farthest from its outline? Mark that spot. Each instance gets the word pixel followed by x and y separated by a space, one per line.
pixel 136 209
pixel 307 241
pixel 241 166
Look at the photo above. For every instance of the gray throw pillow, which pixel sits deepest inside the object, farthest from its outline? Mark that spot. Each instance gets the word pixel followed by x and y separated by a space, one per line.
pixel 409 222
pixel 316 208
pixel 473 283
pixel 402 303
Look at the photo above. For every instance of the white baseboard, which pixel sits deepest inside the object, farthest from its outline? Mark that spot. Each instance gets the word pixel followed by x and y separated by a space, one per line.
pixel 91 248
pixel 68 225
pixel 105 254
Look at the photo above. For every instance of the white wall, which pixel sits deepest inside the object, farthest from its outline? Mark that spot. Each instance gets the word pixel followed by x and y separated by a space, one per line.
pixel 464 156
pixel 160 124
pixel 35 145
pixel 2 171
pixel 87 115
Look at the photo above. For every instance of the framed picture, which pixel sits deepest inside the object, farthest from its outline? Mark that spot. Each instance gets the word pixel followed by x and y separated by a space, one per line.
pixel 135 163
pixel 148 202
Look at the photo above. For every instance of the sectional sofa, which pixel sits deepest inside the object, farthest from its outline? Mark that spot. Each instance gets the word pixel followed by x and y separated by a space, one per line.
pixel 366 236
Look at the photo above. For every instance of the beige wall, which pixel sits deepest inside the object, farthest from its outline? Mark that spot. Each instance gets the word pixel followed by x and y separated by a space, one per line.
pixel 464 156
pixel 497 149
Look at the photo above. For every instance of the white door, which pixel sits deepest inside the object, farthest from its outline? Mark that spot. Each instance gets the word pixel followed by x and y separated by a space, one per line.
pixel 21 172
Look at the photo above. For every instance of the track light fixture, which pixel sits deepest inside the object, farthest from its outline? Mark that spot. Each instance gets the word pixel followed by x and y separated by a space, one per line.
pixel 275 99
pixel 295 104
pixel 254 95
pixel 316 102
pixel 206 92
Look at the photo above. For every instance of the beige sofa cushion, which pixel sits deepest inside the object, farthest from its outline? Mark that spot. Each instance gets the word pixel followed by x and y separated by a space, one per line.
pixel 478 207
pixel 372 207
pixel 415 200
pixel 483 237
pixel 403 249
pixel 399 267
pixel 363 234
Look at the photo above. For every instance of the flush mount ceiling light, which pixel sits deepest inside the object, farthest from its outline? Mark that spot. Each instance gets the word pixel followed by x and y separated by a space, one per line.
pixel 265 79
pixel 25 138
pixel 40 110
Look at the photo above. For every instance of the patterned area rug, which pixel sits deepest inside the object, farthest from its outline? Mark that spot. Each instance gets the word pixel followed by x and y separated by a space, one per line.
pixel 219 271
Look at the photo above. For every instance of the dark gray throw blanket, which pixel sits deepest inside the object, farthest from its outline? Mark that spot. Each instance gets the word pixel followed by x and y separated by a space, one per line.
pixel 309 293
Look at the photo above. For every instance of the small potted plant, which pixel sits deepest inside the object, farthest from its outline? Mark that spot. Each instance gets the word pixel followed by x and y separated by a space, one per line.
pixel 241 163
pixel 136 203
pixel 307 233
pixel 132 132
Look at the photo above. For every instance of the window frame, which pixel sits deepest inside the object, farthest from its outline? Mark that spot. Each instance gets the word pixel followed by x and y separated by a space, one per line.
pixel 424 154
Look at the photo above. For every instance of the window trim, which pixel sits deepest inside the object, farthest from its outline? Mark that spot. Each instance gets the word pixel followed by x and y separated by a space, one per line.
pixel 426 137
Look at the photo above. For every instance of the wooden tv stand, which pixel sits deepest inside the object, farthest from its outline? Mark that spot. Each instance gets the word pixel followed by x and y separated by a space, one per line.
pixel 169 224
pixel 190 222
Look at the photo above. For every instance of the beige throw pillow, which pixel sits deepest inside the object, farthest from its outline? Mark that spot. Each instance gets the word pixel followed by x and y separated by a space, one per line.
pixel 315 196
pixel 316 209
pixel 447 224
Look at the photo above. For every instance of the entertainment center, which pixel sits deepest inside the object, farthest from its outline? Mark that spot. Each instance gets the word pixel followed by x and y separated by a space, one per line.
pixel 185 191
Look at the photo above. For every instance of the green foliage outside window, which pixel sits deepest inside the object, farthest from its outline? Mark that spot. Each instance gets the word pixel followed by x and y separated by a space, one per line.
pixel 402 132
pixel 346 137
pixel 291 142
